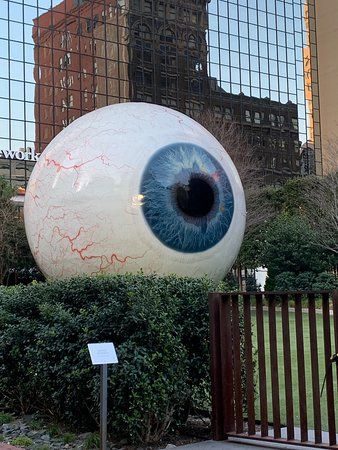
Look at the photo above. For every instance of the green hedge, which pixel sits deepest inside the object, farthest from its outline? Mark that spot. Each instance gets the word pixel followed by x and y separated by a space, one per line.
pixel 306 281
pixel 158 324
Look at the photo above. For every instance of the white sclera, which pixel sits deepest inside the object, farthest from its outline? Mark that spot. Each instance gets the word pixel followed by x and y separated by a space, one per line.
pixel 83 211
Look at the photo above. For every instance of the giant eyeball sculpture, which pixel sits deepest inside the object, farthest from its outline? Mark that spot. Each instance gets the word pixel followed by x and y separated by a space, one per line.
pixel 134 186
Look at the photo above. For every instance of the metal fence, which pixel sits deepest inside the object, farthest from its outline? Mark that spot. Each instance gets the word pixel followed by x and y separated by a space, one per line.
pixel 242 355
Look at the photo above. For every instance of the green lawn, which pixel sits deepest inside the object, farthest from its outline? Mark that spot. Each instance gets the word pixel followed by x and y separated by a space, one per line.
pixel 294 368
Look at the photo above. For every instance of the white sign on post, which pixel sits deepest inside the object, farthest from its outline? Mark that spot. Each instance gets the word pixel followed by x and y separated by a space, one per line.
pixel 103 353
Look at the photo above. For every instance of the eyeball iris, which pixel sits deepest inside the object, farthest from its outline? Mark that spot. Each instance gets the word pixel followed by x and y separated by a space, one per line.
pixel 188 202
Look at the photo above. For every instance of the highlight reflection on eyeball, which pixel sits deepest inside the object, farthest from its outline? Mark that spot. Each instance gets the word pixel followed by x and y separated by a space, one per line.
pixel 134 186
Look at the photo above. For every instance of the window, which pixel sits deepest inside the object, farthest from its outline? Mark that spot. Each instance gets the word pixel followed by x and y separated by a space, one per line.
pixel 228 113
pixel 217 111
pixel 258 117
pixel 273 143
pixel 169 82
pixel 169 101
pixel 198 67
pixel 85 95
pixel 148 6
pixel 67 60
pixel 281 120
pixel 161 10
pixel 66 82
pixel 142 31
pixel 294 123
pixel 194 17
pixel 168 36
pixel 136 4
pixel 92 24
pixel 168 49
pixel 192 42
pixel 92 45
pixel 172 12
pixel 168 59
pixel 143 77
pixel 66 39
pixel 196 86
pixel 89 25
pixel 272 119
pixel 248 116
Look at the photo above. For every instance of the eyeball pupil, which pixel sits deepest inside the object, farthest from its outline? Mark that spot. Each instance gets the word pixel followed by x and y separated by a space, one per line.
pixel 195 199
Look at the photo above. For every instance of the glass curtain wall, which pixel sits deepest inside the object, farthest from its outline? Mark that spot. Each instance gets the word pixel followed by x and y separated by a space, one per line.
pixel 252 62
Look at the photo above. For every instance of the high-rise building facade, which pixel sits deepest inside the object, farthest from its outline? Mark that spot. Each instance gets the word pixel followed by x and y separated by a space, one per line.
pixel 253 62
pixel 327 38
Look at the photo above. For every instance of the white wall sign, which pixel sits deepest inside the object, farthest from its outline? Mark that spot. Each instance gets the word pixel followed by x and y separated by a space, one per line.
pixel 103 353
pixel 23 154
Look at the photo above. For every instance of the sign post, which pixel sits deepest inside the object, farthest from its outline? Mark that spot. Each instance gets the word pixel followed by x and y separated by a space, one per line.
pixel 103 354
pixel 103 405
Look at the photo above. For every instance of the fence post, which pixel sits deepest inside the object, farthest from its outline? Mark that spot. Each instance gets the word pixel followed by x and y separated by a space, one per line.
pixel 221 366
pixel 227 363
pixel 217 418
pixel 335 323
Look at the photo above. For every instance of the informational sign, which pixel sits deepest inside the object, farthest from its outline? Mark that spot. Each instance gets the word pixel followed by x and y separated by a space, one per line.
pixel 103 353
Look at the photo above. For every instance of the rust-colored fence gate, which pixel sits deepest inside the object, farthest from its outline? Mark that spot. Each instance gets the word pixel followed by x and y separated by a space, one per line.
pixel 266 380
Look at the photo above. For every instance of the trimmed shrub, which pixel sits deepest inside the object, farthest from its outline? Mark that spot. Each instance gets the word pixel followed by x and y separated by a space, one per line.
pixel 160 328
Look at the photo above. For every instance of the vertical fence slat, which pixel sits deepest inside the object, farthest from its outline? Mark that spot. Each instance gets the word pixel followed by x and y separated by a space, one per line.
pixel 249 365
pixel 301 368
pixel 335 321
pixel 217 417
pixel 237 365
pixel 274 366
pixel 261 365
pixel 315 369
pixel 329 378
pixel 287 367
pixel 227 367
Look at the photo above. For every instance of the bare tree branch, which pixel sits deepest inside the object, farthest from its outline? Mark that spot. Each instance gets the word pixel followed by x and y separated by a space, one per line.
pixel 248 165
pixel 322 200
